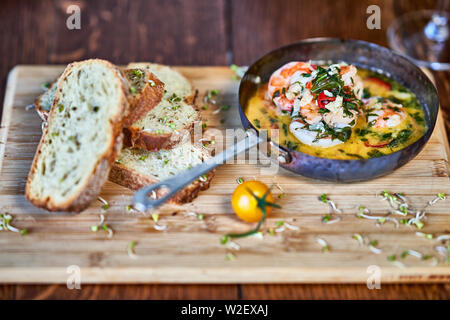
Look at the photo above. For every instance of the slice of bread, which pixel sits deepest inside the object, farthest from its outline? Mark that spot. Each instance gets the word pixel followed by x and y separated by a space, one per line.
pixel 175 82
pixel 146 91
pixel 136 168
pixel 173 119
pixel 82 139
pixel 44 102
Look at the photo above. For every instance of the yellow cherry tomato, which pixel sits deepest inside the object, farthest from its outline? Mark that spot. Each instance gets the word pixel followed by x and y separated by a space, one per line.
pixel 244 203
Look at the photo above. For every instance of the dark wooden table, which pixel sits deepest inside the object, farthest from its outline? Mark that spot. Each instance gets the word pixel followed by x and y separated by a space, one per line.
pixel 195 32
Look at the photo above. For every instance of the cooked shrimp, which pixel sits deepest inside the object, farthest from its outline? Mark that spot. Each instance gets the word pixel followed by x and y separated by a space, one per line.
pixel 284 84
pixel 336 117
pixel 384 114
pixel 351 79
pixel 310 113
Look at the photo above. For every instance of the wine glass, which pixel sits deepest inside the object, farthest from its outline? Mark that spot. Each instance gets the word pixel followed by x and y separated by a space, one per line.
pixel 423 36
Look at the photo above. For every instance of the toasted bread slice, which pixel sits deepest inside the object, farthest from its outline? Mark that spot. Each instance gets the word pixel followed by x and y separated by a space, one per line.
pixel 146 91
pixel 174 118
pixel 82 138
pixel 163 127
pixel 176 83
pixel 44 102
pixel 136 168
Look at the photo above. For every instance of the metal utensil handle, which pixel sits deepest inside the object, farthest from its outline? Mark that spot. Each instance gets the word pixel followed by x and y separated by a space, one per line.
pixel 143 202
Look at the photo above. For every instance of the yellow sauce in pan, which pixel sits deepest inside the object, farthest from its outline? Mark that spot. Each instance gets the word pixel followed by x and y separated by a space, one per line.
pixel 263 115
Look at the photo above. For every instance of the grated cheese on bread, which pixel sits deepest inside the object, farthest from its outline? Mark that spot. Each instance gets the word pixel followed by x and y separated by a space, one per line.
pixel 82 138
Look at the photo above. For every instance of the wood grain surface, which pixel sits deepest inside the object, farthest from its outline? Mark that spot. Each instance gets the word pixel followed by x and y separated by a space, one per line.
pixel 56 241
pixel 217 32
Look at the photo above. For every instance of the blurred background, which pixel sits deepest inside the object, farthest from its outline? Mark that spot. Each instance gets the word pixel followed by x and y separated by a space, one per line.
pixel 184 32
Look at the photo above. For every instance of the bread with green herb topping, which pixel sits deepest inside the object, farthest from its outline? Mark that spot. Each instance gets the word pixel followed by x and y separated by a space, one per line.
pixel 136 168
pixel 172 119
pixel 82 139
pixel 146 91
pixel 44 101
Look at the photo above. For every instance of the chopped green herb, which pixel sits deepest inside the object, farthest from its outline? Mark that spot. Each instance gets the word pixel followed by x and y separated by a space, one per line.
pixel 142 158
pixel 419 224
pixel 285 129
pixel 133 90
pixel 137 72
pixel 224 239
pixel 373 243
pixel 174 98
pixel 392 257
pixel 375 153
pixel 229 256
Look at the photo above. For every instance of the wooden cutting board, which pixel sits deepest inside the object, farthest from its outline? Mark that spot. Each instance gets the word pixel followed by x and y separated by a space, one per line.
pixel 189 249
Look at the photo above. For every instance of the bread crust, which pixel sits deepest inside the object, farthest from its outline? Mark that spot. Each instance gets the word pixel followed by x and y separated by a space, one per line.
pixel 146 100
pixel 87 193
pixel 134 180
pixel 43 114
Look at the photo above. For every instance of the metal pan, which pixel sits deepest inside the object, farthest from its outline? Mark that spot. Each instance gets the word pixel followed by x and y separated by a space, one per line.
pixel 359 53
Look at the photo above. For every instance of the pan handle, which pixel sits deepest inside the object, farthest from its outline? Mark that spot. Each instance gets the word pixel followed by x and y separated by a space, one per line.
pixel 143 202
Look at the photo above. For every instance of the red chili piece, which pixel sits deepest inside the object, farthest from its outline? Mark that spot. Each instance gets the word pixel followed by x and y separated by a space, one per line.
pixel 323 100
